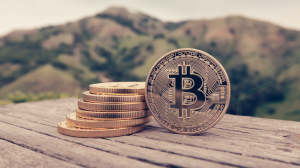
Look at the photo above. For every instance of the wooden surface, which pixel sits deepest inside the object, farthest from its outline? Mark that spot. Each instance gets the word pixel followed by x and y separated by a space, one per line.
pixel 29 138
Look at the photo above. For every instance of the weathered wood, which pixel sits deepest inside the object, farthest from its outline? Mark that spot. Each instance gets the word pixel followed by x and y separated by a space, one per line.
pixel 236 141
pixel 78 154
pixel 154 157
pixel 12 155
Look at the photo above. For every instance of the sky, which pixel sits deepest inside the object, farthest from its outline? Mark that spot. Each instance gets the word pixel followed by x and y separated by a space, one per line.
pixel 29 14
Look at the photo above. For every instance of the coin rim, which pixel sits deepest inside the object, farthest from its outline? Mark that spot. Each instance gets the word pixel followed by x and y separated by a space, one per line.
pixel 116 123
pixel 91 133
pixel 93 114
pixel 116 94
pixel 226 104
pixel 101 106
pixel 116 90
pixel 90 97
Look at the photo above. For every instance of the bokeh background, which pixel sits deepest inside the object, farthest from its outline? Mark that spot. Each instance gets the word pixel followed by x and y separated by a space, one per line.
pixel 55 49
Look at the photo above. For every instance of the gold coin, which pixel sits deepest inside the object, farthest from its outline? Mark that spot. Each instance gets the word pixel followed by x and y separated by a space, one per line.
pixel 65 129
pixel 119 88
pixel 87 96
pixel 112 115
pixel 188 91
pixel 111 106
pixel 72 120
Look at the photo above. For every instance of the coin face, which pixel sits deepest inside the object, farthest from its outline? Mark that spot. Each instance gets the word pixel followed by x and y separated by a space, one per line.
pixel 187 91
pixel 118 88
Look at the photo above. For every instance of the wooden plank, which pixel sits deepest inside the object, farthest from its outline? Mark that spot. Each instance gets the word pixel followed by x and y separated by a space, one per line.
pixel 232 142
pixel 47 111
pixel 154 157
pixel 75 153
pixel 259 123
pixel 182 150
pixel 235 136
pixel 205 154
pixel 12 155
pixel 263 137
pixel 228 133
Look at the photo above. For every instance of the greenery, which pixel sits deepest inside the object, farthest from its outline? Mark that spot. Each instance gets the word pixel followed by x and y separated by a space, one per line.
pixel 19 96
pixel 261 59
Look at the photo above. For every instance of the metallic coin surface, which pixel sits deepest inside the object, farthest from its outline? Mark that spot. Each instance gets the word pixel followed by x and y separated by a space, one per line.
pixel 118 88
pixel 112 106
pixel 65 129
pixel 72 120
pixel 112 115
pixel 187 91
pixel 87 96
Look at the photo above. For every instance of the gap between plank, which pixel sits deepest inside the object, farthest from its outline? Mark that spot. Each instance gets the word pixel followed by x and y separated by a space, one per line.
pixel 35 150
pixel 254 156
pixel 147 161
pixel 174 153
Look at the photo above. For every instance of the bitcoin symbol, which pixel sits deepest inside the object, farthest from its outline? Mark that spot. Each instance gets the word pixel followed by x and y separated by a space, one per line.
pixel 187 93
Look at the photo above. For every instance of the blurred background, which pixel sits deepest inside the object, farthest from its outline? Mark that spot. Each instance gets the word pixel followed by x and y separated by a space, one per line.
pixel 55 49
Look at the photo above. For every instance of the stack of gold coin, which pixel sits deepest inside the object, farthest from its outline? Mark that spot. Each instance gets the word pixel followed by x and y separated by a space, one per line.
pixel 107 110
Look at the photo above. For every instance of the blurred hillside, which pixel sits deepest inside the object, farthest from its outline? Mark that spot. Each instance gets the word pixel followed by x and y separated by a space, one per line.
pixel 261 59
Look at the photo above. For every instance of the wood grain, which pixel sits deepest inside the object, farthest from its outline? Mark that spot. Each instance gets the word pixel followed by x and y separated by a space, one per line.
pixel 12 155
pixel 154 157
pixel 236 141
pixel 68 151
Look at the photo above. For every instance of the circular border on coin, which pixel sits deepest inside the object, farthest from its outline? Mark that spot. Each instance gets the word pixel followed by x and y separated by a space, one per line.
pixel 65 129
pixel 112 106
pixel 72 120
pixel 178 55
pixel 122 88
pixel 112 115
pixel 87 96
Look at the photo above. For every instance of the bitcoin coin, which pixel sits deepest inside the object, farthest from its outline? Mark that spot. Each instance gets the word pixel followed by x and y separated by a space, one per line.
pixel 87 96
pixel 112 115
pixel 111 106
pixel 118 88
pixel 65 129
pixel 72 120
pixel 187 91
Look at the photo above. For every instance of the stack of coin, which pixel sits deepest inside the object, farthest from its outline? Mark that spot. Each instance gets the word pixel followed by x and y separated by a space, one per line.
pixel 107 110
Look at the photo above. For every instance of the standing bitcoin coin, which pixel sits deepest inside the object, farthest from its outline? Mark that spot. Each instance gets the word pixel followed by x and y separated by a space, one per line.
pixel 187 91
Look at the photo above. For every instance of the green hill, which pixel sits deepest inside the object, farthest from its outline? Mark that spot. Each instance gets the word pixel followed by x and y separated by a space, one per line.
pixel 44 78
pixel 262 59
